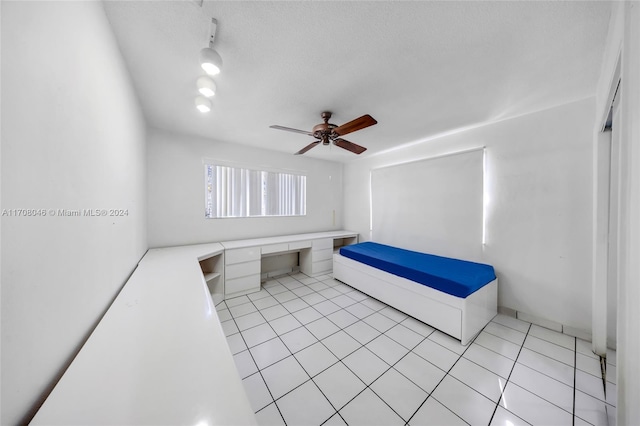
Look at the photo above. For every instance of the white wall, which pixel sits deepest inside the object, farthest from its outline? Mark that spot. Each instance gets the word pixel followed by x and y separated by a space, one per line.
pixel 538 224
pixel 73 137
pixel 176 192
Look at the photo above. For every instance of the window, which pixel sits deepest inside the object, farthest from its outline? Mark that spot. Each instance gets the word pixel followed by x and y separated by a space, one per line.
pixel 239 192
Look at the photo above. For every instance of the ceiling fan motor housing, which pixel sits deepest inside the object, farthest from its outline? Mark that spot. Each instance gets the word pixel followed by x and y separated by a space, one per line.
pixel 324 131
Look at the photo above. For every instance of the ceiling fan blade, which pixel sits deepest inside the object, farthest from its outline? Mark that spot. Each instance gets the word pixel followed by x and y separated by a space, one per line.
pixel 307 148
pixel 289 129
pixel 357 124
pixel 349 146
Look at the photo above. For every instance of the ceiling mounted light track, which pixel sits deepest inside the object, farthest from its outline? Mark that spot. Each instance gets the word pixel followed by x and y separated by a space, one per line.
pixel 210 60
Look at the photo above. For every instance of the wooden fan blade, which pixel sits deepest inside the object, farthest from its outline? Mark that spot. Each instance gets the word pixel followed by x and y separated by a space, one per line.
pixel 307 148
pixel 357 124
pixel 289 129
pixel 350 146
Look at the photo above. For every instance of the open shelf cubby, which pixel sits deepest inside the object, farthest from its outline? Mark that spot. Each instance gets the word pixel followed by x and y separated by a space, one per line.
pixel 213 270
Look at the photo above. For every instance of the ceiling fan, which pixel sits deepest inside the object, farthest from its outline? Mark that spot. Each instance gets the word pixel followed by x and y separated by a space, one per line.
pixel 327 133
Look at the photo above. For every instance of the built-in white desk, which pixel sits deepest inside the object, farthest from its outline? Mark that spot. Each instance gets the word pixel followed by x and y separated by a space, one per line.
pixel 159 355
pixel 242 270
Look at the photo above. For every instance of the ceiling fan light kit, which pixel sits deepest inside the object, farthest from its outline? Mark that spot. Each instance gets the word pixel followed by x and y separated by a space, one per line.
pixel 326 133
pixel 211 63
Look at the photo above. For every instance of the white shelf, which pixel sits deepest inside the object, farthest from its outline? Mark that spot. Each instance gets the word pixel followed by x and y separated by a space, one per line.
pixel 210 276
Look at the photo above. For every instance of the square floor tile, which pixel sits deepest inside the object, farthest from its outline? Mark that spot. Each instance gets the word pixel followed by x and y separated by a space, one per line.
pixel 366 365
pixel 250 320
pixel 543 386
pixel 492 361
pixel 244 309
pixel 403 396
pixel 549 349
pixel 303 291
pixel 285 324
pixel 406 337
pixel 258 295
pixel 270 416
pixel 284 376
pixel 507 333
pixel 309 281
pixel 532 408
pixel 342 318
pixel 387 349
pixel 327 307
pixel 224 315
pixel 335 420
pixel 503 417
pixel 229 327
pixel 362 332
pixel 368 409
pixel 359 310
pixel 341 344
pixel 380 322
pixel 257 392
pixel 588 364
pixel 307 315
pixel 330 293
pixel 276 289
pixel 447 341
pixel 318 286
pixel 482 380
pixel 295 305
pixel 313 298
pixel 418 326
pixel 298 339
pixel 269 352
pixel 244 364
pixel 357 295
pixel 560 339
pixel 259 334
pixel 339 384
pixel 292 285
pixel 473 407
pixel 315 358
pixel 305 406
pixel 374 304
pixel 322 328
pixel 512 322
pixel 274 312
pixel 235 301
pixel 420 371
pixel 343 301
pixel 590 409
pixel 266 302
pixel 432 413
pixel 285 296
pixel 436 354
pixel 498 345
pixel 393 314
pixel 547 366
pixel 236 343
pixel 589 384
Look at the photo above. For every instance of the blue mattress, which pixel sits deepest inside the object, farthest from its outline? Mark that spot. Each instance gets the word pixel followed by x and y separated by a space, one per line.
pixel 456 277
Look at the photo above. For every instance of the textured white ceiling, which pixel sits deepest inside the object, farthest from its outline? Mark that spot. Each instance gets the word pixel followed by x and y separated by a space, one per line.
pixel 419 68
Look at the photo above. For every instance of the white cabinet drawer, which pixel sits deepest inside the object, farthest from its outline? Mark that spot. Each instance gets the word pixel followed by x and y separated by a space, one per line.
pixel 242 269
pixel 275 248
pixel 242 284
pixel 326 243
pixel 297 245
pixel 323 254
pixel 322 266
pixel 241 255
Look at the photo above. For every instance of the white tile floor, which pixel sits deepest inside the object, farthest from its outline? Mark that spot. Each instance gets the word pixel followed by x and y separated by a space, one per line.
pixel 314 351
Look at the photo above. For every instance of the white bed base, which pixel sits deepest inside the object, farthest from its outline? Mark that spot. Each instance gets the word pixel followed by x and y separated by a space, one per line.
pixel 462 318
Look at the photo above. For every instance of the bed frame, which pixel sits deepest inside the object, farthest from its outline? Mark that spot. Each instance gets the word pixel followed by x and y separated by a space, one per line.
pixel 462 318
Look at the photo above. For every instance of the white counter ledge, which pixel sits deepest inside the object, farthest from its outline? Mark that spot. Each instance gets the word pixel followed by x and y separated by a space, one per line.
pixel 158 357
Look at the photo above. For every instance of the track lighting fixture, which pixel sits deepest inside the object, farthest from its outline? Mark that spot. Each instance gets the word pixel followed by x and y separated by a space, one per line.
pixel 203 104
pixel 206 86
pixel 210 60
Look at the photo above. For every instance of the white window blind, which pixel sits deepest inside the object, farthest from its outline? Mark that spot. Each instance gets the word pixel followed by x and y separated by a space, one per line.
pixel 241 192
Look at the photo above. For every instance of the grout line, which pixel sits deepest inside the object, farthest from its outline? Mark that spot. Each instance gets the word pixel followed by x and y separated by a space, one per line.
pixel 575 366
